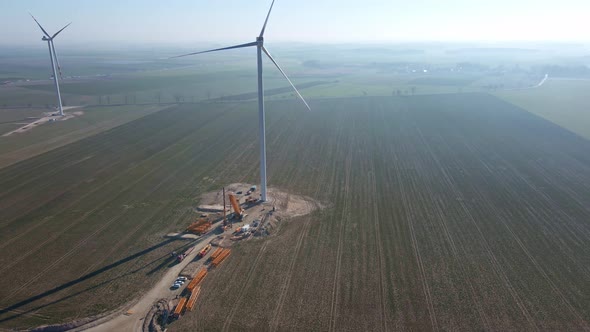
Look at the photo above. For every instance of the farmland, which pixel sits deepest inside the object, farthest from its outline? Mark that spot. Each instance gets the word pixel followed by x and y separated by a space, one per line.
pixel 46 137
pixel 447 213
pixel 562 101
pixel 443 212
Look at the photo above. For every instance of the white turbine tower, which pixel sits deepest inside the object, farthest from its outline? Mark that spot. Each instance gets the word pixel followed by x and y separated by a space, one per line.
pixel 54 61
pixel 259 43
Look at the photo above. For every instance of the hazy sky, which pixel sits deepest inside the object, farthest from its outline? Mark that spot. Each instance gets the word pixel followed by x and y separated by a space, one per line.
pixel 297 20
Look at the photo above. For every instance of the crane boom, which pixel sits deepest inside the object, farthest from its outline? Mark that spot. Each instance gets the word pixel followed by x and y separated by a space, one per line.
pixel 236 205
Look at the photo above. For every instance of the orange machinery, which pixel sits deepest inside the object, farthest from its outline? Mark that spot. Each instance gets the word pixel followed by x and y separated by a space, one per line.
pixel 204 251
pixel 199 227
pixel 236 206
pixel 215 254
pixel 222 256
pixel 196 280
pixel 193 298
pixel 180 307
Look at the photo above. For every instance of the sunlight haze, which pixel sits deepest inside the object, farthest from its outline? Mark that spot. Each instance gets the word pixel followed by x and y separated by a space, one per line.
pixel 304 21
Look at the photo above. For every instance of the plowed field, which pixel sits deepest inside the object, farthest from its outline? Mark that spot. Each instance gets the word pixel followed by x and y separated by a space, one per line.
pixel 449 212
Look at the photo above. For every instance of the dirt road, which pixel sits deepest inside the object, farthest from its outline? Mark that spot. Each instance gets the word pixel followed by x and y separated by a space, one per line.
pixel 132 320
pixel 45 119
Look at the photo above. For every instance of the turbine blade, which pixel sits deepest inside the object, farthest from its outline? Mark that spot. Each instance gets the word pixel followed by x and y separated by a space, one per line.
pixel 285 75
pixel 217 49
pixel 62 29
pixel 266 21
pixel 56 60
pixel 39 24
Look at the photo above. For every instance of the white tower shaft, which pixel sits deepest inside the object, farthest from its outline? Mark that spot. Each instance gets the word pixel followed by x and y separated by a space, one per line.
pixel 259 43
pixel 59 104
pixel 261 124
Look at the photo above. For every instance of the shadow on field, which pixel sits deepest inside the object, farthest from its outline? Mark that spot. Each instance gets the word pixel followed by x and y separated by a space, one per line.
pixel 92 275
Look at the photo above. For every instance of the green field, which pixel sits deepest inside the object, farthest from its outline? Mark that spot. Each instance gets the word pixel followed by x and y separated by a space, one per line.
pixel 455 199
pixel 94 120
pixel 443 212
pixel 562 101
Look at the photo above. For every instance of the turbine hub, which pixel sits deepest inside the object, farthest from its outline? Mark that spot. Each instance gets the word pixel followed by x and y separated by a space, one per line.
pixel 260 40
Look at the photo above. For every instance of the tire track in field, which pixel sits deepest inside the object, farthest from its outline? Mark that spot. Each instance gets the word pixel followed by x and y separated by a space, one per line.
pixel 546 277
pixel 246 283
pixel 531 258
pixel 28 314
pixel 29 229
pixel 254 266
pixel 97 188
pixel 495 263
pixel 80 244
pixel 83 217
pixel 416 249
pixel 95 148
pixel 438 205
pixel 343 220
pixel 70 137
pixel 578 230
pixel 274 323
pixel 92 235
pixel 539 214
pixel 418 256
pixel 108 166
pixel 115 247
pixel 563 187
pixel 379 245
pixel 57 261
pixel 188 184
pixel 577 233
pixel 66 153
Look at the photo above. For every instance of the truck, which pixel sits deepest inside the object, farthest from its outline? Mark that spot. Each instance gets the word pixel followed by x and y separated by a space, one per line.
pixel 182 256
pixel 204 251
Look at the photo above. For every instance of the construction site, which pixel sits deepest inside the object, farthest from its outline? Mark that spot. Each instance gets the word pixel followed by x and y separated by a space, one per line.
pixel 222 219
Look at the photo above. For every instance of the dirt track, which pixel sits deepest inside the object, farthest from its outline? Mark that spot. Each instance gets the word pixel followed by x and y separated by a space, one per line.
pixel 134 320
pixel 47 118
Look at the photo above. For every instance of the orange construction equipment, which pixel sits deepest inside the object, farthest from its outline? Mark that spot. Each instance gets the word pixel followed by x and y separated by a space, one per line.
pixel 236 205
pixel 179 307
pixel 224 254
pixel 204 251
pixel 196 280
pixel 216 253
pixel 199 227
pixel 191 300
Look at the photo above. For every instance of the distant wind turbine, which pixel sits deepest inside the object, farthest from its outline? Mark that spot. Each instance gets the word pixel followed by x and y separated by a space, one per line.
pixel 54 61
pixel 259 43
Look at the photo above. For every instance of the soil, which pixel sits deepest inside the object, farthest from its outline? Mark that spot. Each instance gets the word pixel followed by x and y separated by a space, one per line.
pixel 279 207
pixel 47 117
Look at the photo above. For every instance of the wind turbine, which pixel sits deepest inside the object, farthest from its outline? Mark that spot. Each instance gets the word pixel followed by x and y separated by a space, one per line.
pixel 54 61
pixel 259 43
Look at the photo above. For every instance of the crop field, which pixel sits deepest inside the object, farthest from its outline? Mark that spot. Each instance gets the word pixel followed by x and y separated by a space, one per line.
pixel 17 147
pixel 454 212
pixel 562 101
pixel 443 212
